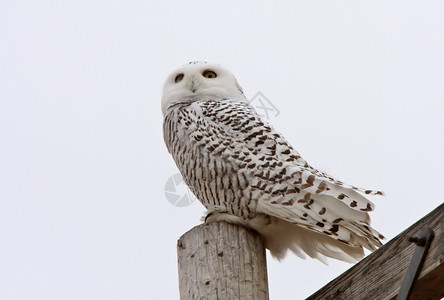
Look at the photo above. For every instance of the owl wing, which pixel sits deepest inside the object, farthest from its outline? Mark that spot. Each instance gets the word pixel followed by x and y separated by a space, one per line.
pixel 275 178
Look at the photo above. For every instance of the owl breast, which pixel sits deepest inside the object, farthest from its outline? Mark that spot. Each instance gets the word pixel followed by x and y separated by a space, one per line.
pixel 201 137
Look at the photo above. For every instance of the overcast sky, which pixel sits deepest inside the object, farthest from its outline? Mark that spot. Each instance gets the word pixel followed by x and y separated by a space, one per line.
pixel 83 165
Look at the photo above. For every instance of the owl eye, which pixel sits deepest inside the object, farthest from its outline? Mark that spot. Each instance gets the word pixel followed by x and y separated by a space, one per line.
pixel 178 78
pixel 209 74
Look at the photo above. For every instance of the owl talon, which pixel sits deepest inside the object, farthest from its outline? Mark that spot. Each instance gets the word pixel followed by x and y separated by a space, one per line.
pixel 207 217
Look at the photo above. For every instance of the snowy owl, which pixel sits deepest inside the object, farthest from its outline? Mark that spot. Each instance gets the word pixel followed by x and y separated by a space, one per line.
pixel 245 172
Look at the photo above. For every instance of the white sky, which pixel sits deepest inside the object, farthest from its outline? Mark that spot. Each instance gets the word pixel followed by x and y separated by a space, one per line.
pixel 83 165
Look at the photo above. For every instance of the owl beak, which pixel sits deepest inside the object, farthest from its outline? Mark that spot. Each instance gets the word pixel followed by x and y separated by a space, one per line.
pixel 194 84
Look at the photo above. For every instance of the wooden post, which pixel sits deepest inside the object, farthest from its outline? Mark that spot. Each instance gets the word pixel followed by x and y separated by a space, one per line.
pixel 222 261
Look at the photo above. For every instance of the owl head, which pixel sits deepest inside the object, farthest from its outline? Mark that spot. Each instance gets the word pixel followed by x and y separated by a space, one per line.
pixel 200 80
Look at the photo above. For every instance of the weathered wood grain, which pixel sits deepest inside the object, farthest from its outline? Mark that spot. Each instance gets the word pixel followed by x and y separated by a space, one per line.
pixel 222 261
pixel 380 274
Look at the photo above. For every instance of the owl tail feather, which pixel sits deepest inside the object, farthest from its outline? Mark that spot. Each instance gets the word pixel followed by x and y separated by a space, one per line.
pixel 281 236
